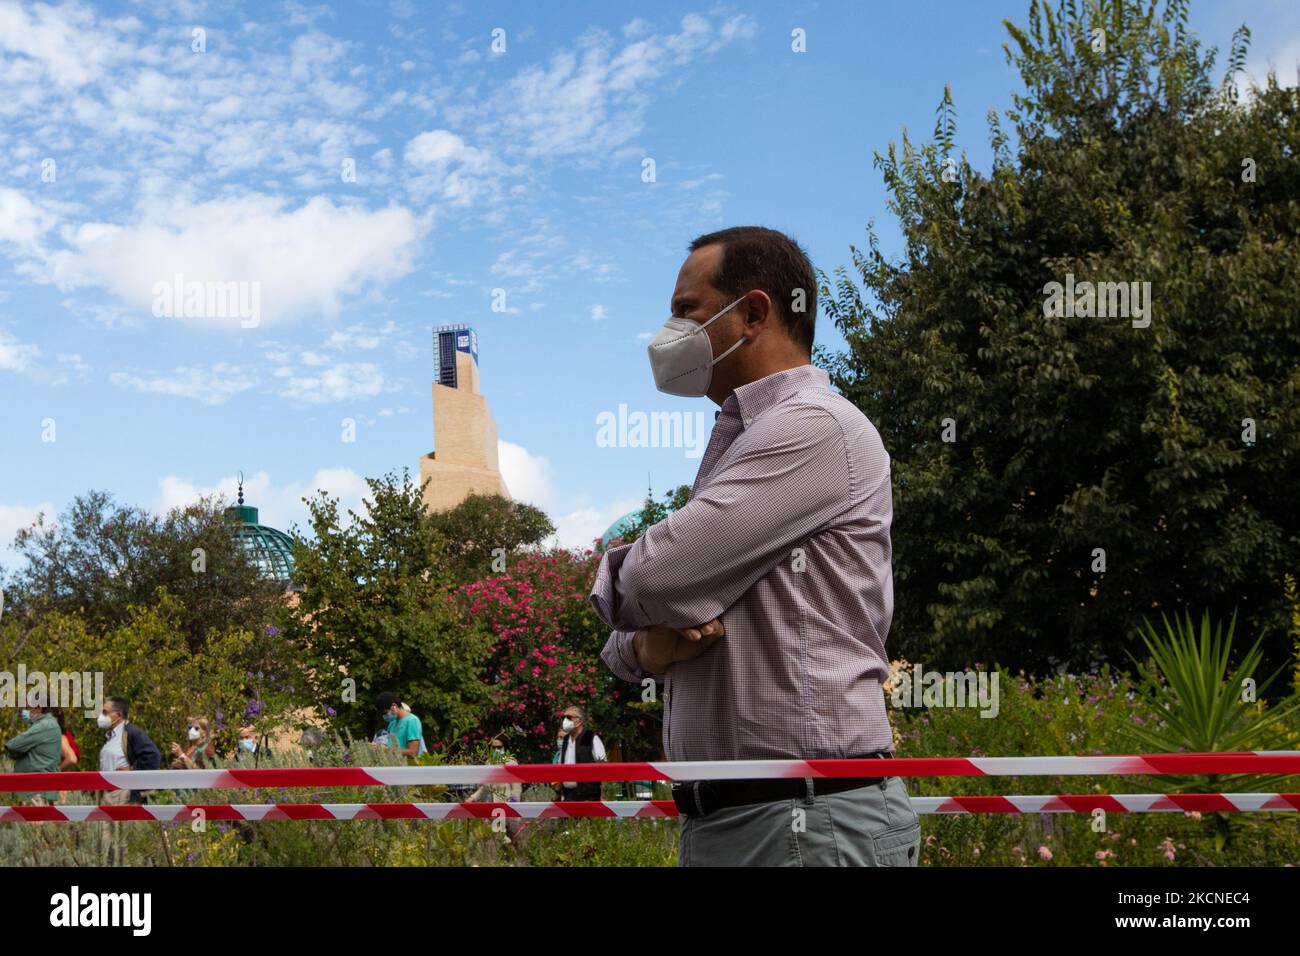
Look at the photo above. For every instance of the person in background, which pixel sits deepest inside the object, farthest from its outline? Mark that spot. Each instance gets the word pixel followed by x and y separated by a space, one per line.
pixel 516 829
pixel 70 754
pixel 199 751
pixel 126 747
pixel 248 747
pixel 405 732
pixel 37 749
pixel 577 744
pixel 498 792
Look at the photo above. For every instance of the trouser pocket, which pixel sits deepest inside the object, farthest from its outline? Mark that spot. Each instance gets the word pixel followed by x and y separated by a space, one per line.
pixel 898 846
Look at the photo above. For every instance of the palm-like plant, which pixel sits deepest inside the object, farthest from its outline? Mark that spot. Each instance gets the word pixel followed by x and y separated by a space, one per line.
pixel 1202 706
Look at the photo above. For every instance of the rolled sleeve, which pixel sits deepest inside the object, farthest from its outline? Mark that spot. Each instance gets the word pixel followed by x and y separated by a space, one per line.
pixel 620 657
pixel 606 600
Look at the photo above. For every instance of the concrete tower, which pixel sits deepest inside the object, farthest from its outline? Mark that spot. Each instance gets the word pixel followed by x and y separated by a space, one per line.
pixel 464 459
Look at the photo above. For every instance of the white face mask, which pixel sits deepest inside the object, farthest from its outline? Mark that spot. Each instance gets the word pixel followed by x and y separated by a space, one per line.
pixel 195 733
pixel 568 724
pixel 104 721
pixel 681 356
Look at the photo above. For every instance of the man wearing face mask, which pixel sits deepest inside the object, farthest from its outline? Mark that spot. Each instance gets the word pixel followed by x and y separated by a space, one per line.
pixel 766 600
pixel 38 748
pixel 576 744
pixel 126 747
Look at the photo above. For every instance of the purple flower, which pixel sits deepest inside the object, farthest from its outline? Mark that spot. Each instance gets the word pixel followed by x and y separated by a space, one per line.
pixel 254 708
pixel 330 710
pixel 272 630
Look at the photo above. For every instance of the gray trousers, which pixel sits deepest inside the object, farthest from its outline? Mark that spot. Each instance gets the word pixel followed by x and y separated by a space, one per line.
pixel 870 826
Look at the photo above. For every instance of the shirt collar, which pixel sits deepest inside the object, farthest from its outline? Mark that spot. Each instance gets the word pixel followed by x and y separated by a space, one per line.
pixel 753 398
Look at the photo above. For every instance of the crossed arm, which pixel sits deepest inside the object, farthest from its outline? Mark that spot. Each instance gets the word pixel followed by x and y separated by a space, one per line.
pixel 696 563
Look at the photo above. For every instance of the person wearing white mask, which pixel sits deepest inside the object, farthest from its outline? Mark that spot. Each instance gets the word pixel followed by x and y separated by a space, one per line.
pixel 765 601
pixel 576 744
pixel 198 752
pixel 126 747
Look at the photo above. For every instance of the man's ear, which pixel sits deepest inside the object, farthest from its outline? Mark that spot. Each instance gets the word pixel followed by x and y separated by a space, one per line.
pixel 758 310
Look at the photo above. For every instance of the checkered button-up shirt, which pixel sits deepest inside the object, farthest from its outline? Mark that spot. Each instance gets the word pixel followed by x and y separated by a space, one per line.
pixel 786 539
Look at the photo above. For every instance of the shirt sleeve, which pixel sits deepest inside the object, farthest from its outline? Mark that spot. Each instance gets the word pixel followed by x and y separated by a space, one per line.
pixel 597 747
pixel 620 656
pixel 790 480
pixel 21 743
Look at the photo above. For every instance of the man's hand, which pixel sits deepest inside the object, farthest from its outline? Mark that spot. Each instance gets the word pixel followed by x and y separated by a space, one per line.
pixel 659 647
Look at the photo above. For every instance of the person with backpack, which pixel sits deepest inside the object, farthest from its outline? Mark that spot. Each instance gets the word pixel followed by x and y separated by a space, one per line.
pixel 126 747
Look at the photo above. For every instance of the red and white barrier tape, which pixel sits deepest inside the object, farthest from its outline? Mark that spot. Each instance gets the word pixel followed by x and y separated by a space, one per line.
pixel 628 809
pixel 1283 761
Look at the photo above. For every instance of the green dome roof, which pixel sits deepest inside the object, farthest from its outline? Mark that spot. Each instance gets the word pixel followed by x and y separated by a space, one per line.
pixel 620 527
pixel 269 549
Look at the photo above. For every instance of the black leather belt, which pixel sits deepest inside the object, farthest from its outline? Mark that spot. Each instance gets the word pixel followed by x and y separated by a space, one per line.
pixel 699 798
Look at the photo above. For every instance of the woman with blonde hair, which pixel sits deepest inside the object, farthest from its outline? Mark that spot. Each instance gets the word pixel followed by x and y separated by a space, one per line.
pixel 199 751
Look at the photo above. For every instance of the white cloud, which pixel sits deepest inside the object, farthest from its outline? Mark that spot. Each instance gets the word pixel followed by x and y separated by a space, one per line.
pixel 22 221
pixel 360 337
pixel 16 356
pixel 583 104
pixel 598 312
pixel 279 505
pixel 581 526
pixel 449 168
pixel 529 477
pixel 305 260
pixel 343 380
pixel 63 43
pixel 212 386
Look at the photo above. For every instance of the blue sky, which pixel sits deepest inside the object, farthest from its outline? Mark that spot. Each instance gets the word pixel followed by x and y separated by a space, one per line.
pixel 128 156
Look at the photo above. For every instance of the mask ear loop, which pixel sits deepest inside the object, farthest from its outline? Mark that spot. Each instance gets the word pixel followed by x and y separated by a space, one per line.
pixel 739 342
pixel 705 325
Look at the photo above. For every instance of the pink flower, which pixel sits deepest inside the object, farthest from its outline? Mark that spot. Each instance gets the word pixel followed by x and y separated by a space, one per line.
pixel 1044 853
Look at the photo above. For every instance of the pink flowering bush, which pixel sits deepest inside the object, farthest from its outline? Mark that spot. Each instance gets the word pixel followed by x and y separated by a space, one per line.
pixel 546 656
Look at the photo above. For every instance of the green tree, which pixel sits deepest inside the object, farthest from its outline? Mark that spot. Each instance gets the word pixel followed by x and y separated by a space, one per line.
pixel 484 531
pixel 652 511
pixel 102 560
pixel 1055 478
pixel 375 610
pixel 149 660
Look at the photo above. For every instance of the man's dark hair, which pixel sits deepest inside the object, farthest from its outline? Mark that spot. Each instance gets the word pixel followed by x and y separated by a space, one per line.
pixel 385 700
pixel 754 257
pixel 121 705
